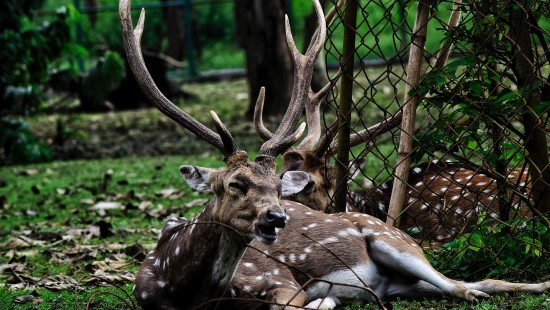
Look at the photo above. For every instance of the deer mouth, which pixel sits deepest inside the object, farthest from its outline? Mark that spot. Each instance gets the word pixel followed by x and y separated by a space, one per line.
pixel 266 233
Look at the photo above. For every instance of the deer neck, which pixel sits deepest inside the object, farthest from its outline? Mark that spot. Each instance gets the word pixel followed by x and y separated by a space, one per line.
pixel 224 249
pixel 203 256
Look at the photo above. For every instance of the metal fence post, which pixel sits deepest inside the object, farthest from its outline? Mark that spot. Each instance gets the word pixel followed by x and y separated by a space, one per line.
pixel 188 20
pixel 344 109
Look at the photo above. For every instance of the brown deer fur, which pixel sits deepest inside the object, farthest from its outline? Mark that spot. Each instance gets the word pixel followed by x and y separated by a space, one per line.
pixel 443 200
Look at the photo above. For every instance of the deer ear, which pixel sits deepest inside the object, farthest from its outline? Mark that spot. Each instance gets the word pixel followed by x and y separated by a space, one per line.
pixel 293 182
pixel 355 167
pixel 196 177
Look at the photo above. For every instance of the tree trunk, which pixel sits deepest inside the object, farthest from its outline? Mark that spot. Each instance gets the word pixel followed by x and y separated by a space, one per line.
pixel 260 30
pixel 527 77
pixel 174 17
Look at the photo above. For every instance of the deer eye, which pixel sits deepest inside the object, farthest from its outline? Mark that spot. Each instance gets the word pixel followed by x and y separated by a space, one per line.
pixel 239 187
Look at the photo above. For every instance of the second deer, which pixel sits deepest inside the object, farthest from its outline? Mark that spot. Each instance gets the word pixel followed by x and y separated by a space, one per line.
pixel 443 200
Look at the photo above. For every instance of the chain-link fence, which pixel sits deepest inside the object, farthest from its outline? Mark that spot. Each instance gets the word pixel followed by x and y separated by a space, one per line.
pixel 479 179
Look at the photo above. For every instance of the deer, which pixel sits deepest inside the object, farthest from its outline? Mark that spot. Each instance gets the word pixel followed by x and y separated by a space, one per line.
pixel 325 259
pixel 443 199
pixel 195 260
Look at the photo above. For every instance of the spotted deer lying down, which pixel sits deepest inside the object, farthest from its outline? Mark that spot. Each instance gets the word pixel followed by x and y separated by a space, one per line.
pixel 444 199
pixel 336 259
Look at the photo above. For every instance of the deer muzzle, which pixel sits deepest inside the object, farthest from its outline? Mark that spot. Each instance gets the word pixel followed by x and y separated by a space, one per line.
pixel 270 222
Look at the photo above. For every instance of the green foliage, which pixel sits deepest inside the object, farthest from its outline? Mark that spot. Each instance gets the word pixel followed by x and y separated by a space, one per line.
pixel 19 145
pixel 215 21
pixel 31 49
pixel 521 249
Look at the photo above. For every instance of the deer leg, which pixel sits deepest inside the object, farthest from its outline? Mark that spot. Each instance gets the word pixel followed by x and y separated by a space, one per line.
pixel 497 286
pixel 411 272
pixel 326 303
pixel 286 298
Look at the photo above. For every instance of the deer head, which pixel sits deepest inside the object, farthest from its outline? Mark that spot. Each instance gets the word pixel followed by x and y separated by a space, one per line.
pixel 246 203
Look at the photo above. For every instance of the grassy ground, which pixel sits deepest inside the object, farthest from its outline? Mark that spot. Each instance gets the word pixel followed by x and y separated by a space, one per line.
pixel 61 248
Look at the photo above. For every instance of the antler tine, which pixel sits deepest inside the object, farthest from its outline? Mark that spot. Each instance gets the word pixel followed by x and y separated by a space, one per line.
pixel 376 130
pixel 262 131
pixel 313 114
pixel 228 141
pixel 303 71
pixel 132 46
pixel 329 18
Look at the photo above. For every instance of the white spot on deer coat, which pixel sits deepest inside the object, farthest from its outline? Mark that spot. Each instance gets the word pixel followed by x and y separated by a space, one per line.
pixel 302 256
pixel 157 263
pixel 177 252
pixel 276 271
pixel 144 295
pixel 329 240
pixel 282 258
pixel 248 264
pixel 161 284
pixel 417 170
pixel 292 258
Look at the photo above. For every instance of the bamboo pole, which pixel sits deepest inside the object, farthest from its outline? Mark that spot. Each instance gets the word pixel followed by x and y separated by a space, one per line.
pixel 414 67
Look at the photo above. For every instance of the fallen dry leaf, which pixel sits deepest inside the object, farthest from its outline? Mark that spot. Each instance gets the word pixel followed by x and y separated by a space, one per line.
pixel 101 207
pixel 22 241
pixel 58 282
pixel 170 193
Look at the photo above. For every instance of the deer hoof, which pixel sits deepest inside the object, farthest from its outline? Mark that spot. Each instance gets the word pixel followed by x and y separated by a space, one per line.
pixel 326 303
pixel 473 295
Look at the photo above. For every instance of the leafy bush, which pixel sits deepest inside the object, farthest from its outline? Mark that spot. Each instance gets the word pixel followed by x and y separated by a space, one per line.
pixel 505 250
pixel 31 45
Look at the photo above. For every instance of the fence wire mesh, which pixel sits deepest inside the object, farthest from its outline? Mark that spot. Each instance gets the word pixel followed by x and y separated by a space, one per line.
pixel 478 185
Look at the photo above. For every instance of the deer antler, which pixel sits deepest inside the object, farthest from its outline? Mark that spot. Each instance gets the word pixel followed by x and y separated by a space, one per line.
pixel 222 141
pixel 302 95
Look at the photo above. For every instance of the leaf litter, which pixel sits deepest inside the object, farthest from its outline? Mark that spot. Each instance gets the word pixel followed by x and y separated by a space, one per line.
pixel 83 248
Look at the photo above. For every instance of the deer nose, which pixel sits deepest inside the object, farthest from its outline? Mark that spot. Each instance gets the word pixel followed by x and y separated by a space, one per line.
pixel 275 218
